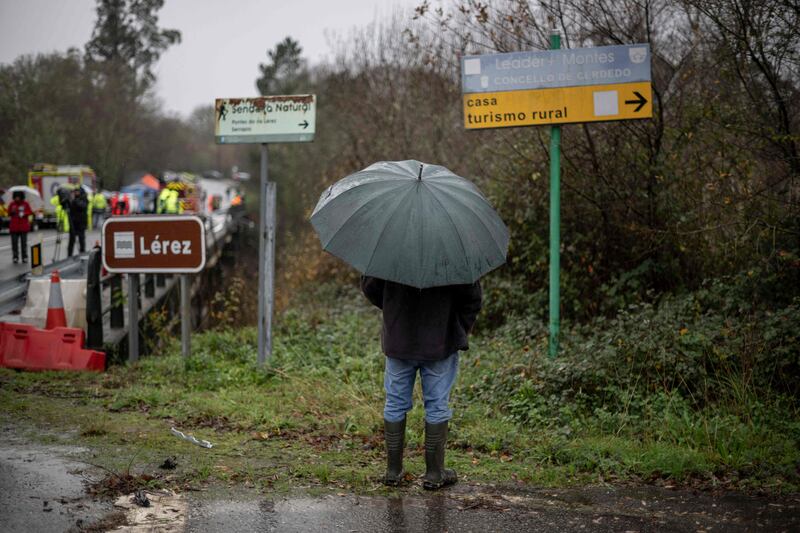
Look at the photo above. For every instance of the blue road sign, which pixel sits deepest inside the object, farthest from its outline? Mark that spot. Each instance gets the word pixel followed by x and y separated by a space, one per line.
pixel 549 69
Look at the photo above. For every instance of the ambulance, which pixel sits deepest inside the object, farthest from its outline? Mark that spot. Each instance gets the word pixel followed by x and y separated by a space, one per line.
pixel 47 179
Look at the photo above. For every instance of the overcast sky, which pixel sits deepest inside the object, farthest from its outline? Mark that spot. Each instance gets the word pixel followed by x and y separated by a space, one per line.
pixel 222 41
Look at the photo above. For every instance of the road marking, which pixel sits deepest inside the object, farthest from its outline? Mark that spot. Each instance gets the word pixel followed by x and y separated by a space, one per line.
pixel 8 246
pixel 94 234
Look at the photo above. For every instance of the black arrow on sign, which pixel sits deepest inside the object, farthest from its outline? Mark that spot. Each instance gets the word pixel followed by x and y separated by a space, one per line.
pixel 304 124
pixel 641 100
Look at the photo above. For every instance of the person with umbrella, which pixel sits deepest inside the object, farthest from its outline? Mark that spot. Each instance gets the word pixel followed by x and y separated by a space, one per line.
pixel 422 237
pixel 19 225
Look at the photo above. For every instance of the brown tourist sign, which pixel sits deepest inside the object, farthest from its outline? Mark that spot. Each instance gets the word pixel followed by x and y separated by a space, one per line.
pixel 154 243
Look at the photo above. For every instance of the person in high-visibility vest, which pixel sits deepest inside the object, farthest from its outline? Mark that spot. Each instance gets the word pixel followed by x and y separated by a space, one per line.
pixel 99 204
pixel 62 220
pixel 89 206
pixel 161 205
pixel 173 204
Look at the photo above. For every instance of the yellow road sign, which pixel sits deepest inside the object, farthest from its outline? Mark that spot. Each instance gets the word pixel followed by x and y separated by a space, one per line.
pixel 591 103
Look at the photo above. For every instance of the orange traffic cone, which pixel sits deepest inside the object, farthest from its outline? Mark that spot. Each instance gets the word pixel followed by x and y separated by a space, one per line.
pixel 56 318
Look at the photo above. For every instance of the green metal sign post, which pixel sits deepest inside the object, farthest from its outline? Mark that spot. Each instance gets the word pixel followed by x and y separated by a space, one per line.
pixel 555 223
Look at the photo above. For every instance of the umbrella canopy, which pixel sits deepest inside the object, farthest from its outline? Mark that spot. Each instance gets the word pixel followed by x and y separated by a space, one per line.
pixel 412 223
pixel 32 196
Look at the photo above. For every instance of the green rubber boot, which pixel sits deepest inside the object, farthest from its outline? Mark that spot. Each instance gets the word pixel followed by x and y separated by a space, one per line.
pixel 436 475
pixel 394 433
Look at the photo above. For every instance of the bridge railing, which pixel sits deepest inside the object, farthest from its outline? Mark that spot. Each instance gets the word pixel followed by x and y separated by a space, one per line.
pixel 14 291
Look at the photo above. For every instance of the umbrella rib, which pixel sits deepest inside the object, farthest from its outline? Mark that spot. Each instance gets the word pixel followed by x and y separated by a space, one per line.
pixel 383 230
pixel 480 218
pixel 360 175
pixel 460 186
pixel 455 227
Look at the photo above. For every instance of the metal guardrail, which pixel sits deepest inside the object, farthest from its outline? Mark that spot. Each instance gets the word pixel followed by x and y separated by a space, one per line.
pixel 14 291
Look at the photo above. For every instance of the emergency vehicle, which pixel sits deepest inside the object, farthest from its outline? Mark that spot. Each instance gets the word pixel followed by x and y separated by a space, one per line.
pixel 47 179
pixel 189 190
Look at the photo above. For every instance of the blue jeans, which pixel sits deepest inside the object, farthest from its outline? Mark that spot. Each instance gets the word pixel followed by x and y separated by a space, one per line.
pixel 437 380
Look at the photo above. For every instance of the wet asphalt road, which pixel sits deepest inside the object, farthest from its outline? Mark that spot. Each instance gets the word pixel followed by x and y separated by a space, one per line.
pixel 481 510
pixel 434 513
pixel 8 269
pixel 42 489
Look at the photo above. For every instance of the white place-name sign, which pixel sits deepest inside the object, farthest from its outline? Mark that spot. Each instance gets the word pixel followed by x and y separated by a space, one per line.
pixel 266 119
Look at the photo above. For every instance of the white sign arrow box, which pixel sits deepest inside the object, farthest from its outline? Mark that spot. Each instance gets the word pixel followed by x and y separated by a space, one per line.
pixel 265 119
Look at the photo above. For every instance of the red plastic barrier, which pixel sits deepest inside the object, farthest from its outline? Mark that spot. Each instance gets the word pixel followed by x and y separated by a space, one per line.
pixel 30 348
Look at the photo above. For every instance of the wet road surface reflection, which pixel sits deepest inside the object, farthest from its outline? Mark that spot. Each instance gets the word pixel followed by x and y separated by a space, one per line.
pixel 470 509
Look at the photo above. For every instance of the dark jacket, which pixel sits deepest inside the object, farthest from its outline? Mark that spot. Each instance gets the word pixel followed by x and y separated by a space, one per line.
pixel 424 324
pixel 78 206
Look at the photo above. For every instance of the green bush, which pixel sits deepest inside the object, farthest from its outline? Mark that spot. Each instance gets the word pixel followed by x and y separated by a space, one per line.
pixel 711 345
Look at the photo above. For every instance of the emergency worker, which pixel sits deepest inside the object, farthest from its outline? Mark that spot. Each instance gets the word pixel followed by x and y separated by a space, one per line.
pixel 173 203
pixel 161 205
pixel 60 200
pixel 3 208
pixel 119 204
pixel 89 209
pixel 99 204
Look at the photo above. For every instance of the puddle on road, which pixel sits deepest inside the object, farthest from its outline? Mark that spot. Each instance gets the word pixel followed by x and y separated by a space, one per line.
pixel 350 514
pixel 41 490
pixel 467 509
pixel 435 512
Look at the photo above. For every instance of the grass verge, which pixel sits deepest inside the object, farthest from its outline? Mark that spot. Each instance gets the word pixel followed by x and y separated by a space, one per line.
pixel 312 419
